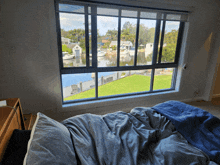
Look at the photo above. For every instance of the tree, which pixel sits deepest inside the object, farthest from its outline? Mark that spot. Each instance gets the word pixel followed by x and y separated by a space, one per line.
pixel 168 53
pixel 66 49
pixel 169 49
pixel 82 44
pixel 114 47
pixel 74 35
pixel 112 34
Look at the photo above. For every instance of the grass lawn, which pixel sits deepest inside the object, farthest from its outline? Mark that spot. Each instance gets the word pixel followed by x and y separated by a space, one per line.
pixel 133 83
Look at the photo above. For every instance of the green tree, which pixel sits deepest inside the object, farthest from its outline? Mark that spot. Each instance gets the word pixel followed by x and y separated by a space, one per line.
pixel 114 47
pixel 66 49
pixel 112 34
pixel 82 44
pixel 168 53
pixel 128 32
pixel 169 49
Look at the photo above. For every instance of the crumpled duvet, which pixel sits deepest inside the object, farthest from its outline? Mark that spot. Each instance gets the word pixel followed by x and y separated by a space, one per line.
pixel 199 127
pixel 142 136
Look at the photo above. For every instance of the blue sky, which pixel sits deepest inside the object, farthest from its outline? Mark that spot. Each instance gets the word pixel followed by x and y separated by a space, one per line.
pixel 104 23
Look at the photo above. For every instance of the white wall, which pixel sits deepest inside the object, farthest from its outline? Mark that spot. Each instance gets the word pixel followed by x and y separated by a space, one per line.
pixel 29 60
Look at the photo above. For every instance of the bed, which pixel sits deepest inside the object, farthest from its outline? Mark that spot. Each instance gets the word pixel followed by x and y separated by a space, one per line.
pixel 168 133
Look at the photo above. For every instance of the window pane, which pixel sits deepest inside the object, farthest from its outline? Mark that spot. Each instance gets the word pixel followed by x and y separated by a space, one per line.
pixel 127 43
pixel 89 10
pixel 107 41
pixel 163 78
pixel 73 39
pixel 146 41
pixel 78 86
pixel 129 13
pixel 71 8
pixel 121 82
pixel 106 11
pixel 170 41
pixel 173 17
pixel 148 15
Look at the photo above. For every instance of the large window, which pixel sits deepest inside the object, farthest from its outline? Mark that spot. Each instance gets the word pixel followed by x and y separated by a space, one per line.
pixel 108 51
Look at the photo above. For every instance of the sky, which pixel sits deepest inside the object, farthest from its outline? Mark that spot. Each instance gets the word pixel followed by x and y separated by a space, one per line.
pixel 105 23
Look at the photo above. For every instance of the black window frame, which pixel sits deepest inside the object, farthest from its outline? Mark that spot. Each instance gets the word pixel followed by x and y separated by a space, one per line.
pixel 96 69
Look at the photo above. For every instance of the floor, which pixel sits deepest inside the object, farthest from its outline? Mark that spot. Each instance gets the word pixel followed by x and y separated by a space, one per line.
pixel 212 106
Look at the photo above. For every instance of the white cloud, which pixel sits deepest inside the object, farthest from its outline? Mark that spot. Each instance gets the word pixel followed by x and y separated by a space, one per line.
pixel 106 23
pixel 72 21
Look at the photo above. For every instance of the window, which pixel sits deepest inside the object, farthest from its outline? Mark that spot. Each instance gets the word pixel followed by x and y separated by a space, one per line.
pixel 108 51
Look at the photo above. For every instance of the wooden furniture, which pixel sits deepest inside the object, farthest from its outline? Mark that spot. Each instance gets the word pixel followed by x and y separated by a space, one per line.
pixel 11 117
pixel 29 122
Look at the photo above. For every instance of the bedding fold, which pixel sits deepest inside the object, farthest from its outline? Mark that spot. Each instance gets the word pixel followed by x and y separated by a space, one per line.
pixel 199 127
pixel 142 136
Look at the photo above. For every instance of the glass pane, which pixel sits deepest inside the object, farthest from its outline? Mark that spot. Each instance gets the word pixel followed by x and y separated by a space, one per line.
pixel 107 41
pixel 129 13
pixel 78 86
pixel 163 78
pixel 148 15
pixel 90 40
pixel 71 8
pixel 127 43
pixel 173 17
pixel 106 11
pixel 73 39
pixel 146 41
pixel 170 41
pixel 121 82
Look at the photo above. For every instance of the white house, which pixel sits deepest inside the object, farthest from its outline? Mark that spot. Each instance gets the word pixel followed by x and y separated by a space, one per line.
pixel 77 50
pixel 149 49
pixel 123 44
pixel 65 40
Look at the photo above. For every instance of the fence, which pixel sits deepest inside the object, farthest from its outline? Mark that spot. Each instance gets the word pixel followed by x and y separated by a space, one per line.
pixel 87 85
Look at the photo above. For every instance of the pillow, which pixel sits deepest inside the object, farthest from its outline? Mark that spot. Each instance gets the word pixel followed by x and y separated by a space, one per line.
pixel 50 143
pixel 16 148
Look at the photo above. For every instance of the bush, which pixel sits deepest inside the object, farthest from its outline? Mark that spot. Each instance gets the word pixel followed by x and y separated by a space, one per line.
pixel 104 47
pixel 114 47
pixel 66 49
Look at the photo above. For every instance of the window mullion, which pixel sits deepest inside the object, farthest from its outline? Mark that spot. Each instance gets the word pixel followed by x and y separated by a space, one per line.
pixel 152 80
pixel 94 45
pixel 179 42
pixel 87 36
pixel 136 40
pixel 161 40
pixel 119 37
pixel 154 58
pixel 94 36
pixel 156 40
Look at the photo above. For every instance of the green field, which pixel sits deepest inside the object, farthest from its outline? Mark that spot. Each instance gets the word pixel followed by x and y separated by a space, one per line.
pixel 130 84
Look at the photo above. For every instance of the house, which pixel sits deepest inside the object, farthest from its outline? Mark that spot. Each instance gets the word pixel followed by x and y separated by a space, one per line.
pixel 123 44
pixel 29 63
pixel 77 50
pixel 149 49
pixel 65 41
pixel 105 41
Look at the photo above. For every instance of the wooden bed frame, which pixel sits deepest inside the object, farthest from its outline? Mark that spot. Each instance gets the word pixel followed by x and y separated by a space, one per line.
pixel 10 120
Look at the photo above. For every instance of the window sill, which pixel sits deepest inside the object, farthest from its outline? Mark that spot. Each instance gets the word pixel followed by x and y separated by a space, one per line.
pixel 119 98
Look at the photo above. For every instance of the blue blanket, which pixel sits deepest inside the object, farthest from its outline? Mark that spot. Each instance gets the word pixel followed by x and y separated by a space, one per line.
pixel 199 127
